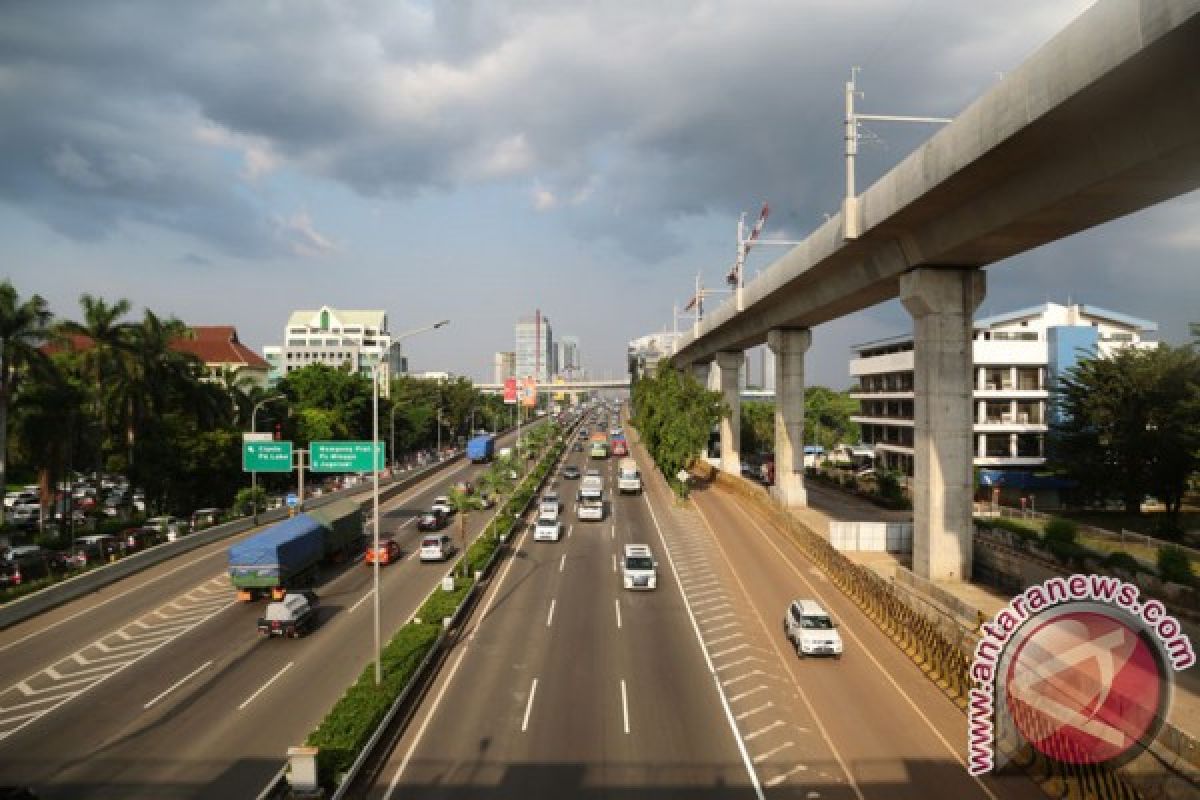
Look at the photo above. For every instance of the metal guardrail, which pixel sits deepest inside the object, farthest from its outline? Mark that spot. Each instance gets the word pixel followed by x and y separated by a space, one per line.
pixel 30 605
pixel 278 787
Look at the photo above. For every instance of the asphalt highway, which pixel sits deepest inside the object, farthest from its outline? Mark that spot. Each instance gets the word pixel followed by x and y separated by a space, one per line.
pixel 568 685
pixel 192 701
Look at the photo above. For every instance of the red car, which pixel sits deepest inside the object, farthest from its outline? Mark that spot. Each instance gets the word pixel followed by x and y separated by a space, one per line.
pixel 387 553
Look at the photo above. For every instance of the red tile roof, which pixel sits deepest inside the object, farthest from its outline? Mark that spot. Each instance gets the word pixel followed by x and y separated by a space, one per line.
pixel 218 344
pixel 212 344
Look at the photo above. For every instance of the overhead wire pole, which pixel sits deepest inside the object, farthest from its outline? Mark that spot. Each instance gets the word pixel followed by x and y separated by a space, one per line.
pixel 850 220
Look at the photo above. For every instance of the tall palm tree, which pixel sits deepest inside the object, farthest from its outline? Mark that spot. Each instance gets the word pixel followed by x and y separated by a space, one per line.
pixel 23 328
pixel 155 373
pixel 102 359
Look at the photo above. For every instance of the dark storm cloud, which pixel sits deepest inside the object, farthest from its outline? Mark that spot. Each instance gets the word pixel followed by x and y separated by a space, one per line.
pixel 625 115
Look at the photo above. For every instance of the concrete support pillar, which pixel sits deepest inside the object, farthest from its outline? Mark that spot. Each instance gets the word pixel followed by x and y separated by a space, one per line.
pixel 942 303
pixel 728 364
pixel 789 347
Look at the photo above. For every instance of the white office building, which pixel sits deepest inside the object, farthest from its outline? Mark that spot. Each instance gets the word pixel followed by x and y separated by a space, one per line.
pixel 569 364
pixel 504 366
pixel 535 354
pixel 357 340
pixel 1017 358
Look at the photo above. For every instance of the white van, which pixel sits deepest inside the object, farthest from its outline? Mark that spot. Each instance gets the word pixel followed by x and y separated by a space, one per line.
pixel 639 570
pixel 628 477
pixel 811 630
pixel 590 502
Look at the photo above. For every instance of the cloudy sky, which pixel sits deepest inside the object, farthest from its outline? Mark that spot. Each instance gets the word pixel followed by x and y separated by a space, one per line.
pixel 227 162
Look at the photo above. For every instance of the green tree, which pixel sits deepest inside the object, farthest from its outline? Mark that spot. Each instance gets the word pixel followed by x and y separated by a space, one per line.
pixel 100 357
pixel 827 417
pixel 675 415
pixel 463 504
pixel 758 427
pixel 1129 425
pixel 23 328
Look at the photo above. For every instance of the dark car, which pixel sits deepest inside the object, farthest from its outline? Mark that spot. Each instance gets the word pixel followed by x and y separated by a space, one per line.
pixel 578 448
pixel 570 472
pixel 22 565
pixel 94 550
pixel 141 538
pixel 431 521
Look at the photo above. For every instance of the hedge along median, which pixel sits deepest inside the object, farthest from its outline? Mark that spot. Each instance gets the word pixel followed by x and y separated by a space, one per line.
pixel 348 726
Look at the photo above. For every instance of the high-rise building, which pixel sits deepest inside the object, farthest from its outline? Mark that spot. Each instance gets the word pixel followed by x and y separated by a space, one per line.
pixel 535 348
pixel 504 366
pixel 1018 357
pixel 646 351
pixel 356 340
pixel 569 365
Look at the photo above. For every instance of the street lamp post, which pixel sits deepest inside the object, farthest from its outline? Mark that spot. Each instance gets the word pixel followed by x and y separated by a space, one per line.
pixel 395 408
pixel 375 486
pixel 254 429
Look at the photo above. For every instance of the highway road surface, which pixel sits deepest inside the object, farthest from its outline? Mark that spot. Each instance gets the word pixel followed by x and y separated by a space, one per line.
pixel 193 702
pixel 569 686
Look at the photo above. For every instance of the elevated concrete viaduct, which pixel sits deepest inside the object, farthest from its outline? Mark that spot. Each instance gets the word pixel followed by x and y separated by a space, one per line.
pixel 1102 121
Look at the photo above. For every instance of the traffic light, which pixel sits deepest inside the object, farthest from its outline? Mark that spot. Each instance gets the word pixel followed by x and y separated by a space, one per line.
pixel 278 431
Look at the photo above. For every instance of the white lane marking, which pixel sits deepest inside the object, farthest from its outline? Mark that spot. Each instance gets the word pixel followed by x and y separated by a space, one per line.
pixel 617 606
pixel 729 650
pixel 761 757
pixel 613 535
pixel 625 705
pixel 867 652
pixel 724 639
pixel 733 729
pixel 264 687
pixel 562 564
pixel 753 711
pixel 529 706
pixel 361 600
pixel 762 687
pixel 179 683
pixel 778 779
pixel 776 724
pixel 437 701
pixel 614 562
pixel 750 674
pixel 218 553
pixel 569 529
pixel 722 627
pixel 550 616
pixel 837 754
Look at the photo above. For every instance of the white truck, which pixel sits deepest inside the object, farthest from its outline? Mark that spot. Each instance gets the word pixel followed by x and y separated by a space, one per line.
pixel 590 503
pixel 628 477
pixel 639 570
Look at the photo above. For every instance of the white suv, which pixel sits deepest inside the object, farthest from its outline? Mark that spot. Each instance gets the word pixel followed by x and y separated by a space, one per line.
pixel 811 630
pixel 547 529
pixel 639 570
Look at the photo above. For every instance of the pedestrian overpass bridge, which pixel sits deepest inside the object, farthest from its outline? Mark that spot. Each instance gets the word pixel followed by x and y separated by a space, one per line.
pixel 1102 121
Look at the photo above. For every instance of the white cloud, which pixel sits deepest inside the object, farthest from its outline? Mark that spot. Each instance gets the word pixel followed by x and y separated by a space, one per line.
pixel 544 199
pixel 258 155
pixel 302 238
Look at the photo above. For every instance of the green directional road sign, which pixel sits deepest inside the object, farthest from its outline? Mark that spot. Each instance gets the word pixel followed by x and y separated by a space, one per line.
pixel 344 456
pixel 266 456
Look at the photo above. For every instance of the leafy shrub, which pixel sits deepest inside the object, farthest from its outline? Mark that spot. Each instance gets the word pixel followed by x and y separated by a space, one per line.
pixel 442 604
pixel 349 724
pixel 1062 530
pixel 1174 565
pixel 1122 561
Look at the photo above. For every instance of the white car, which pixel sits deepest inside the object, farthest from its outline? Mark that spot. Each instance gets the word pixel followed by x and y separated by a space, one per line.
pixel 547 529
pixel 436 548
pixel 811 630
pixel 442 504
pixel 639 570
pixel 549 505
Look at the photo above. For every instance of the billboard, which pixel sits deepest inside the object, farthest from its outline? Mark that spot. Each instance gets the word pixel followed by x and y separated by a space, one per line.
pixel 510 391
pixel 529 393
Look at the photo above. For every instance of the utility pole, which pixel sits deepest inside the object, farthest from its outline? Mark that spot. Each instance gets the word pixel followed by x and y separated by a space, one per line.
pixel 850 220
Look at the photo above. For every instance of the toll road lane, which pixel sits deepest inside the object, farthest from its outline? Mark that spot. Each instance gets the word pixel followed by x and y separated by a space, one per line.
pixel 195 741
pixel 580 704
pixel 900 737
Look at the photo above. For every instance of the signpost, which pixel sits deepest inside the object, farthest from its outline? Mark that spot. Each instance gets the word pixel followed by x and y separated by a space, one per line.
pixel 345 456
pixel 258 456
